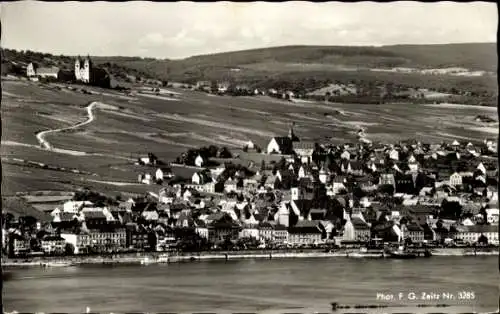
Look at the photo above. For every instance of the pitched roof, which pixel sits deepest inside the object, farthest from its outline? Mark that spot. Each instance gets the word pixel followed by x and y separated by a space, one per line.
pixel 66 216
pixel 339 179
pixel 223 224
pixel 414 227
pixel 205 177
pixel 481 228
pixel 305 226
pixel 52 238
pixel 304 206
pixel 94 215
pixel 265 225
pixel 284 143
pixel 200 223
pixel 280 228
pixel 46 70
pixel 150 215
pixel 306 223
pixel 303 145
pixel 215 216
pixel 356 165
pixel 358 223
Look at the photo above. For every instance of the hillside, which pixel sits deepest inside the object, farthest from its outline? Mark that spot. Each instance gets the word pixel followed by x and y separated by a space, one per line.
pixel 311 66
pixel 259 62
pixel 12 60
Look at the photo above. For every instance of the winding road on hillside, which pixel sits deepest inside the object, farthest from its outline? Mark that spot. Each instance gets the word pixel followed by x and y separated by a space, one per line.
pixel 41 135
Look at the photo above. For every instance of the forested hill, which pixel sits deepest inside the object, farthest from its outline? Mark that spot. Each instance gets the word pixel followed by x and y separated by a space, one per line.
pixel 305 63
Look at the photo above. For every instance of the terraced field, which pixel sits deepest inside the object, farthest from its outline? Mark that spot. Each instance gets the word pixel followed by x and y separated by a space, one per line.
pixel 130 126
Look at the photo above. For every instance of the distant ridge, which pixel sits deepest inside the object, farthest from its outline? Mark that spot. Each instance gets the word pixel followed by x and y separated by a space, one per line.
pixel 338 63
pixel 256 62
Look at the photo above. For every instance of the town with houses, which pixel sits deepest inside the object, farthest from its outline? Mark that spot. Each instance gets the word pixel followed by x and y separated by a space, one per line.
pixel 294 195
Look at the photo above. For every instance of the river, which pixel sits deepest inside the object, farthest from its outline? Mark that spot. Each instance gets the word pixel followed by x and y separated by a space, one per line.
pixel 267 286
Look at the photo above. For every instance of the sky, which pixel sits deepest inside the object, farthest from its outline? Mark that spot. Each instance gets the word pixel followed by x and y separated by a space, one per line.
pixel 182 29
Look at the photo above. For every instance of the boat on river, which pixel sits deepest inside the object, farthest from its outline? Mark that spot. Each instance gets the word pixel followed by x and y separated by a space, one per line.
pixel 146 261
pixel 163 258
pixel 401 252
pixel 366 253
pixel 57 264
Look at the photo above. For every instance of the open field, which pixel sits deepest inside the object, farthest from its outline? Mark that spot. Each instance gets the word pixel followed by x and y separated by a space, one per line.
pixel 128 128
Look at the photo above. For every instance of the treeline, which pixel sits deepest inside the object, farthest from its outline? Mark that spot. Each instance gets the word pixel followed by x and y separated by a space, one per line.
pixel 304 82
pixel 212 151
pixel 126 74
pixel 27 56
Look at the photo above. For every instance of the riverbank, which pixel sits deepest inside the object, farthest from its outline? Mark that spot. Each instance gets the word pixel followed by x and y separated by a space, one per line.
pixel 152 258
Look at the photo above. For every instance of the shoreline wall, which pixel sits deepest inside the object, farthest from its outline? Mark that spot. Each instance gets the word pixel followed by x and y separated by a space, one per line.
pixel 152 257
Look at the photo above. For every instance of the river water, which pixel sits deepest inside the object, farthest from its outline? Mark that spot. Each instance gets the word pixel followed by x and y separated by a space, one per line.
pixel 268 286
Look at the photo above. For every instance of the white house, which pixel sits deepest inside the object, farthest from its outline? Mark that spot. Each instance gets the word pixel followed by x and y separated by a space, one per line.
pixel 250 231
pixel 166 197
pixel 199 161
pixel 146 178
pixel 345 155
pixel 335 188
pixel 282 216
pixel 304 150
pixel 250 145
pixel 187 195
pixel 31 70
pixel 324 176
pixel 80 242
pixel 53 244
pixel 481 168
pixel 196 178
pixel 455 179
pixel 230 185
pixel 73 206
pixel 145 160
pixel 492 216
pixel 467 222
pixel 394 154
pixel 356 230
pixel 201 228
pixel 471 234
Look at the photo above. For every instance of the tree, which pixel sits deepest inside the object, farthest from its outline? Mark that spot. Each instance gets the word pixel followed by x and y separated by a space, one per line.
pixel 327 96
pixel 358 192
pixel 482 239
pixel 224 153
pixel 212 151
pixel 7 219
pixel 262 165
pixel 69 249
pixel 281 165
pixel 408 241
pixel 214 87
pixel 451 210
pixel 28 222
pixel 403 221
pixel 484 214
pixel 386 189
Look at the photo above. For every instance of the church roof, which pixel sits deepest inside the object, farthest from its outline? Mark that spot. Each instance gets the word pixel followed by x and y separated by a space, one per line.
pixel 284 143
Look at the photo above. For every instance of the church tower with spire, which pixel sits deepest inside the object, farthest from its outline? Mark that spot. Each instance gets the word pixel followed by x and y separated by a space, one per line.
pixel 292 135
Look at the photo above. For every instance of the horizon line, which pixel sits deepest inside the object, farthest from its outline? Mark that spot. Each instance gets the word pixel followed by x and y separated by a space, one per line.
pixel 243 50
